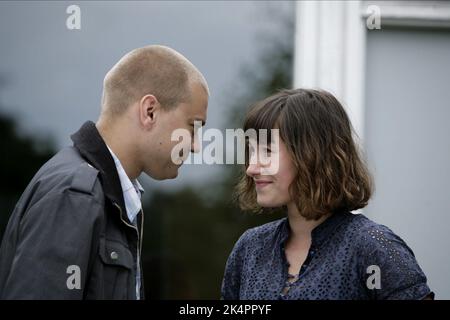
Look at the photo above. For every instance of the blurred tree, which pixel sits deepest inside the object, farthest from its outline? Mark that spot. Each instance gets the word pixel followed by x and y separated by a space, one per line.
pixel 21 157
pixel 190 233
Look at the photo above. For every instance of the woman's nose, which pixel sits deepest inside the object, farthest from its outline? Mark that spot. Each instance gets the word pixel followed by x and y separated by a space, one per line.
pixel 253 169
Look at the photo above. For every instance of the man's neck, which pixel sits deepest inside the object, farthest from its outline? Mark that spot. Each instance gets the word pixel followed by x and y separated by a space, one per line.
pixel 118 145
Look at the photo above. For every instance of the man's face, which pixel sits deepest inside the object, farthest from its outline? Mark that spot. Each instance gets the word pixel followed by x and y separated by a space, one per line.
pixel 183 116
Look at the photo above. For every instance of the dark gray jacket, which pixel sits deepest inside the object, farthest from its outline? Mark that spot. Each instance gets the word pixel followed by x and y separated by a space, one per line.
pixel 71 220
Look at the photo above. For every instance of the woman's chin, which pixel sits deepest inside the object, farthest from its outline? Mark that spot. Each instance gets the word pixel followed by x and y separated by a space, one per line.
pixel 269 202
pixel 266 203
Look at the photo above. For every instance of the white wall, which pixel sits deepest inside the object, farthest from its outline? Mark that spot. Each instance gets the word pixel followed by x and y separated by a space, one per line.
pixel 407 139
pixel 395 85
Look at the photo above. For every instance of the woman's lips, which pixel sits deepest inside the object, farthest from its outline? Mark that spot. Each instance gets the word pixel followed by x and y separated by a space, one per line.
pixel 262 184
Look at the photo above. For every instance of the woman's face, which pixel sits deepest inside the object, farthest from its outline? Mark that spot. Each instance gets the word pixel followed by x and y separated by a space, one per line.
pixel 272 189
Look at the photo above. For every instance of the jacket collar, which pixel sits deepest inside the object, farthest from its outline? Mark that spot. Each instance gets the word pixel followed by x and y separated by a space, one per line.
pixel 92 147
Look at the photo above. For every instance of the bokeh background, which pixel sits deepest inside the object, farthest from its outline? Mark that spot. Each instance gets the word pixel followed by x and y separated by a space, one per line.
pixel 51 80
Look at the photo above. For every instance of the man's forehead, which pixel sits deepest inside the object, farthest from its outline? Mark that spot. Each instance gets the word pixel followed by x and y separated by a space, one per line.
pixel 192 112
pixel 196 109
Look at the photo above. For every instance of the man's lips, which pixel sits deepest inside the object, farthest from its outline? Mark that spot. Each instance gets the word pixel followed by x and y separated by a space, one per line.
pixel 262 183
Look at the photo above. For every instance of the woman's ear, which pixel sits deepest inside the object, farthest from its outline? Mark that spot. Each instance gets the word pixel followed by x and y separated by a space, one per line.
pixel 149 108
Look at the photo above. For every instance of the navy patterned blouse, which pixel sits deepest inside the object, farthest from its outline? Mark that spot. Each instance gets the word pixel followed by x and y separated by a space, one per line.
pixel 351 257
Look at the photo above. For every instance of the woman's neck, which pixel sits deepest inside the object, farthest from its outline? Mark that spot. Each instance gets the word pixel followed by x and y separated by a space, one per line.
pixel 300 227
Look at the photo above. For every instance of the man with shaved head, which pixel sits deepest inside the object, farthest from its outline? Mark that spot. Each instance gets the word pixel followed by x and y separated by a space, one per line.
pixel 76 232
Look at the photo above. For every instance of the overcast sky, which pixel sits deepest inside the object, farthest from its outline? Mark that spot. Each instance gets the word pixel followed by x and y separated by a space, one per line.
pixel 54 75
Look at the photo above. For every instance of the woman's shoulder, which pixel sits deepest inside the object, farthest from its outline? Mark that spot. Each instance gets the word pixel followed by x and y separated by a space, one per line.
pixel 370 235
pixel 381 251
pixel 267 230
pixel 258 236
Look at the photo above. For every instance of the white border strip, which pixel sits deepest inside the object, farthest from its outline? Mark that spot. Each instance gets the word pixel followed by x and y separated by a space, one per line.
pixel 330 52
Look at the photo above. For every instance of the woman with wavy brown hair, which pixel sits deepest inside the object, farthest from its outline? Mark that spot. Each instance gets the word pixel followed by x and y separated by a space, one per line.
pixel 321 250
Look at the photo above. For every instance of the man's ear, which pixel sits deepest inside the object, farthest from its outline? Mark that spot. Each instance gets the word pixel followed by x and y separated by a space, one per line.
pixel 149 108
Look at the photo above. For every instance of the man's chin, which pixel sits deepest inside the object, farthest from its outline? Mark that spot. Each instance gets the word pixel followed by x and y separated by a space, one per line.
pixel 168 174
pixel 173 172
pixel 173 176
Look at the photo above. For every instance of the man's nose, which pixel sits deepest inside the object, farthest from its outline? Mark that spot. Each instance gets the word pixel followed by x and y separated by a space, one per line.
pixel 195 146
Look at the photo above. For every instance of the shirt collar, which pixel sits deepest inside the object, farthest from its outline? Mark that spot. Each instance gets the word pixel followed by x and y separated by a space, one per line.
pixel 131 190
pixel 321 232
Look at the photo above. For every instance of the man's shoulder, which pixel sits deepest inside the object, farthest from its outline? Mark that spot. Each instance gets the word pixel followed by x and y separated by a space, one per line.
pixel 64 183
pixel 67 170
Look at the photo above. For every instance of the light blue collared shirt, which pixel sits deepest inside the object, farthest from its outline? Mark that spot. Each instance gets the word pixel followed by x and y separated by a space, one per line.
pixel 132 196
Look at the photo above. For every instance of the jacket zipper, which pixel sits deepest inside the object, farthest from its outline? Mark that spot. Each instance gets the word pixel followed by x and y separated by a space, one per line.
pixel 141 236
pixel 138 235
pixel 140 252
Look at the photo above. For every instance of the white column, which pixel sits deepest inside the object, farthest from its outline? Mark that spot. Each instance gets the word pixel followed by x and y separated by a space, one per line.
pixel 330 51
